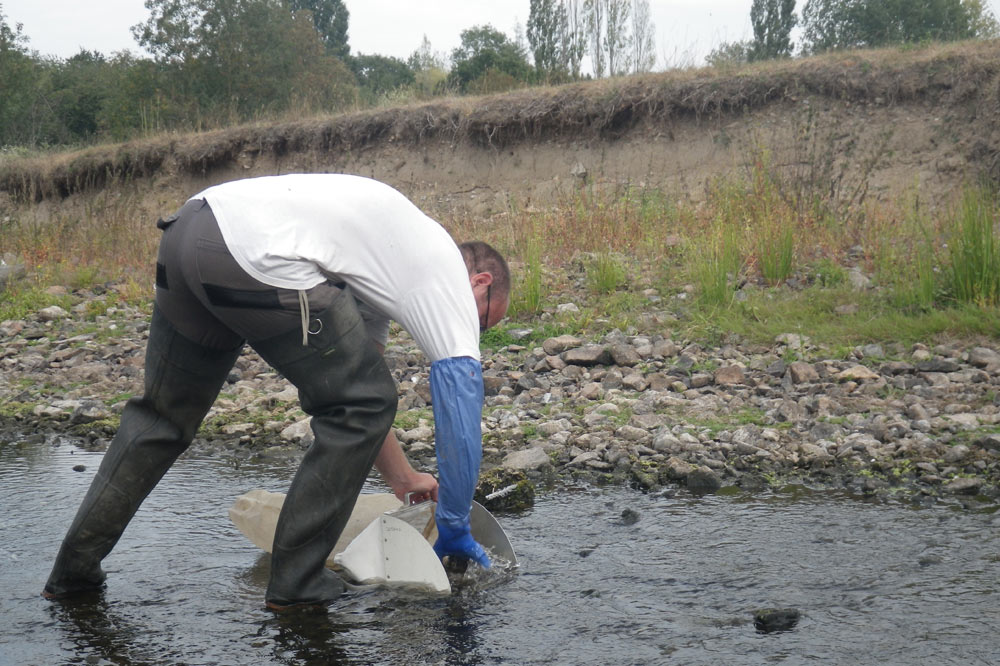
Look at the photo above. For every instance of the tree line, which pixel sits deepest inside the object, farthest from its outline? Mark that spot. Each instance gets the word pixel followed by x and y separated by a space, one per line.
pixel 828 25
pixel 212 63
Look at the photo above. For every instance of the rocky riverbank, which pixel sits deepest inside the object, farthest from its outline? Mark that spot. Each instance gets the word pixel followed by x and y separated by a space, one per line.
pixel 647 410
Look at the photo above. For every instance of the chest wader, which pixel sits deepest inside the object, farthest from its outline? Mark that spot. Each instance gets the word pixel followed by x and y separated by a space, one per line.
pixel 345 385
pixel 182 380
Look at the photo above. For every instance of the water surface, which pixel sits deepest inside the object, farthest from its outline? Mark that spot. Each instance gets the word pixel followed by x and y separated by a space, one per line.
pixel 875 583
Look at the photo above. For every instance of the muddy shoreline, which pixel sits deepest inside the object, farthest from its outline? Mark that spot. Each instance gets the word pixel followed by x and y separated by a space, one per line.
pixel 921 422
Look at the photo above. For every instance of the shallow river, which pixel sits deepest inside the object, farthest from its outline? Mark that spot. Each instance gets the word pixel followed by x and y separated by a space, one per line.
pixel 875 583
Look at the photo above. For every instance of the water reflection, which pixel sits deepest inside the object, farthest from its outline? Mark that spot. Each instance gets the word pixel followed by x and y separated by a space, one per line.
pixel 458 628
pixel 307 637
pixel 95 629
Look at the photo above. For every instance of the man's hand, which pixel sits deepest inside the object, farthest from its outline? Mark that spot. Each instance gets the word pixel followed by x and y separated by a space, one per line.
pixel 459 543
pixel 400 475
pixel 420 486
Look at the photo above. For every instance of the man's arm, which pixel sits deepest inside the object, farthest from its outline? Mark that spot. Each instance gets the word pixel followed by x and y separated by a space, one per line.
pixel 396 470
pixel 457 400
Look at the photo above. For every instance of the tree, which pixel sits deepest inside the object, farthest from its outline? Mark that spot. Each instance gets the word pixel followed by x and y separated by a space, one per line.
pixel 425 57
pixel 135 103
pixel 729 54
pixel 241 57
pixel 825 25
pixel 596 27
pixel 772 22
pixel 643 40
pixel 833 24
pixel 378 74
pixel 982 21
pixel 430 70
pixel 617 37
pixel 611 36
pixel 19 77
pixel 573 40
pixel 546 25
pixel 331 20
pixel 80 90
pixel 484 48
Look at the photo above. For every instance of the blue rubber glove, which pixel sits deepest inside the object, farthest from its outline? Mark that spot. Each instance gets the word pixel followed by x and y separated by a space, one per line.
pixel 460 544
pixel 457 400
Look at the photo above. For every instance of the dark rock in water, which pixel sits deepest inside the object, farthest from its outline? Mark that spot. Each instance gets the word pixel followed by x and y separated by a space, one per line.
pixel 630 516
pixel 769 620
pixel 703 480
pixel 752 482
pixel 79 468
pixel 643 479
pixel 505 490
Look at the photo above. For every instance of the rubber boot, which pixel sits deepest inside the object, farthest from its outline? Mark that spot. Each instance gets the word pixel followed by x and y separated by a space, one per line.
pixel 182 380
pixel 345 386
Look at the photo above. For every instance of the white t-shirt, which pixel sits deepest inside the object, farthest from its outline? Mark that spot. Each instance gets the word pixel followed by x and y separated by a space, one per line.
pixel 296 231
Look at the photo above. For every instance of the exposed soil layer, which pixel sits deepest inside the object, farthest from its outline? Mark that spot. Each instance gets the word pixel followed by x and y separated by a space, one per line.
pixel 872 124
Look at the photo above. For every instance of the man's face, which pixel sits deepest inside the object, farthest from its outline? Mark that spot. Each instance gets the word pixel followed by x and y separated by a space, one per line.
pixel 490 305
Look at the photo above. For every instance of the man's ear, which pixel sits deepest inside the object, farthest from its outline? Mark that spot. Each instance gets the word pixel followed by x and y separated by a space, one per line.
pixel 484 279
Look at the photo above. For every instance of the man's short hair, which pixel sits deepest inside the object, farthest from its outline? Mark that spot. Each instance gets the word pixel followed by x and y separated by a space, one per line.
pixel 480 257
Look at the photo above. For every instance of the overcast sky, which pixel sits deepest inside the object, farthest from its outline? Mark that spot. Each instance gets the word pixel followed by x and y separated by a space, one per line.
pixel 686 30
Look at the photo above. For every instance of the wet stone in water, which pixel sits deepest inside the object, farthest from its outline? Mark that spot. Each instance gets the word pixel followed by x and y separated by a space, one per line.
pixel 630 516
pixel 769 620
pixel 703 481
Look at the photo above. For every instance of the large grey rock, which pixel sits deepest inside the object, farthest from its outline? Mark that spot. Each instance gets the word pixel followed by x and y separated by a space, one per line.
pixel 676 469
pixel 956 454
pixel 665 348
pixel 635 381
pixel 630 433
pixel 550 428
pixel 89 411
pixel 527 459
pixel 729 375
pixel 938 365
pixel 814 454
pixel 300 431
pixel 492 384
pixel 624 355
pixel 418 434
pixel 587 355
pixel 584 458
pixel 703 480
pixel 964 486
pixel 52 313
pixel 790 411
pixel 557 345
pixel 665 441
pixel 858 373
pixel 801 372
pixel 858 280
pixel 982 357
